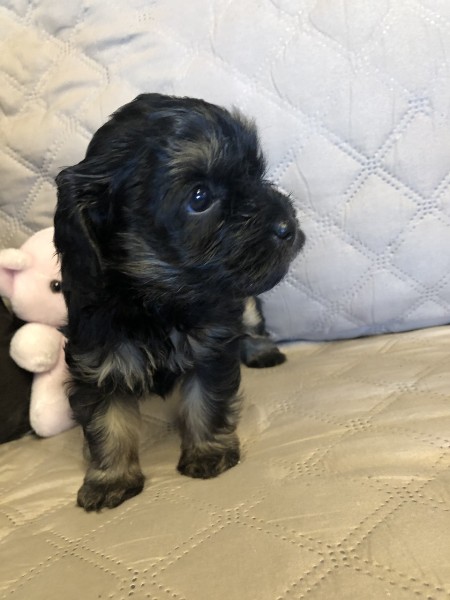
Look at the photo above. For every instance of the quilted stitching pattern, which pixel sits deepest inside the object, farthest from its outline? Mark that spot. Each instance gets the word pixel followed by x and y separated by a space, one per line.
pixel 343 492
pixel 352 102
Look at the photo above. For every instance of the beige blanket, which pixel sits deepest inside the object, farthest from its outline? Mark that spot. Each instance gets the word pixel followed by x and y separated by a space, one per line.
pixel 343 492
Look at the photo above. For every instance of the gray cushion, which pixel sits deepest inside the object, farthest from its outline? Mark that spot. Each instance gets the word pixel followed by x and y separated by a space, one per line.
pixel 352 103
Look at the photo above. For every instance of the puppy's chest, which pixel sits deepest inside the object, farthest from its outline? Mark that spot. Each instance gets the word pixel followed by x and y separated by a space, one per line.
pixel 173 355
pixel 180 357
pixel 139 366
pixel 165 370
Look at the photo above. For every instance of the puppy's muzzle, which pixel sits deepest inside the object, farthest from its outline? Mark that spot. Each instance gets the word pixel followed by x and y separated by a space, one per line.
pixel 287 232
pixel 283 224
pixel 284 230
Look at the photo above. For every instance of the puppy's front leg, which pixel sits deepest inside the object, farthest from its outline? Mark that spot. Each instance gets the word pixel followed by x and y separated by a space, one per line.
pixel 209 415
pixel 112 434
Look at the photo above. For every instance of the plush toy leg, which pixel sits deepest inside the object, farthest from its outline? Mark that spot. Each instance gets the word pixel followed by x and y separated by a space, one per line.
pixel 50 411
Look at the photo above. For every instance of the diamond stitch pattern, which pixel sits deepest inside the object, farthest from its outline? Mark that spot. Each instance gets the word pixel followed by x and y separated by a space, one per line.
pixel 351 103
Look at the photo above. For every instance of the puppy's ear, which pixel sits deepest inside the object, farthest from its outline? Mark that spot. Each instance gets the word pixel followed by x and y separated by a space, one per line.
pixel 80 219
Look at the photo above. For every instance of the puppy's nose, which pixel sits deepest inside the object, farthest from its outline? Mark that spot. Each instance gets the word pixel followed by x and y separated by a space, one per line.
pixel 284 230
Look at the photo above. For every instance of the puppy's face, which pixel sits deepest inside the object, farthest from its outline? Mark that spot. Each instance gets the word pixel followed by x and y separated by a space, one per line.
pixel 173 193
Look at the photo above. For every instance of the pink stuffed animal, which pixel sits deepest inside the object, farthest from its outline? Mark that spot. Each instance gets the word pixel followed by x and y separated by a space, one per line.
pixel 30 279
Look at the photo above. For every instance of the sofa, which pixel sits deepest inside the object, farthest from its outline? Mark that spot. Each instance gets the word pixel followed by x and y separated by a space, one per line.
pixel 343 490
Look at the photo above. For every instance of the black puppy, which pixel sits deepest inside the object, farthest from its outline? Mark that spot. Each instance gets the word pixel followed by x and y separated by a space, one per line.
pixel 164 231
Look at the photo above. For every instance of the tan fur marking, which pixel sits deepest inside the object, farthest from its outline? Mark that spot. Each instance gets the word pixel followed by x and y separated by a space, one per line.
pixel 251 316
pixel 126 362
pixel 194 412
pixel 118 428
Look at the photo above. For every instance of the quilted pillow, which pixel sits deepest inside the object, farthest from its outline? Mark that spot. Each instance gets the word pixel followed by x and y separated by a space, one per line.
pixel 351 99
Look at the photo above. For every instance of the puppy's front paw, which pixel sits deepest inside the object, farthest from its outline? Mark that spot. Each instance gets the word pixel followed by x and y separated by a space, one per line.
pixel 205 463
pixel 95 495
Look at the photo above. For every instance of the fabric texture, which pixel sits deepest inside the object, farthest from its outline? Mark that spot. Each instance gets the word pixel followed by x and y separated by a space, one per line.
pixel 343 492
pixel 351 98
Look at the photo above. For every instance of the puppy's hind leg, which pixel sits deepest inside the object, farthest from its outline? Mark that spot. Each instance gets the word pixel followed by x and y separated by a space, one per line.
pixel 257 349
pixel 112 436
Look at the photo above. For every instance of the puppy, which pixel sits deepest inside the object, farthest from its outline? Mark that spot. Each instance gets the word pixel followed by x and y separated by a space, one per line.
pixel 164 231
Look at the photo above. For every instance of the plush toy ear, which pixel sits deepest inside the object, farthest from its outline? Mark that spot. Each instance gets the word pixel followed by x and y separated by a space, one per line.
pixel 11 259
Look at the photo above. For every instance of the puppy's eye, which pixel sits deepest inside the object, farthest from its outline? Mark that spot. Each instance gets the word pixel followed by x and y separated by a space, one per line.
pixel 200 200
pixel 55 286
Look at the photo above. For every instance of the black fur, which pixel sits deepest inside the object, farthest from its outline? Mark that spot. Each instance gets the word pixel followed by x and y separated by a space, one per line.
pixel 164 231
